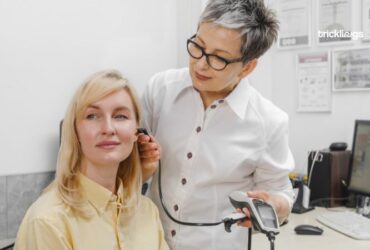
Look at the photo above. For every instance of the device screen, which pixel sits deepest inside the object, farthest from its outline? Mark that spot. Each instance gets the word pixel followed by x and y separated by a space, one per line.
pixel 267 215
pixel 360 173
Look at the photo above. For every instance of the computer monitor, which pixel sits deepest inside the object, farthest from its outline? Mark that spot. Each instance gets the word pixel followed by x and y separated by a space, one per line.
pixel 359 173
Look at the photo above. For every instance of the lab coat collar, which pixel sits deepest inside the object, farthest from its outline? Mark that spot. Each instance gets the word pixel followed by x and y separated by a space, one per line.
pixel 184 86
pixel 239 98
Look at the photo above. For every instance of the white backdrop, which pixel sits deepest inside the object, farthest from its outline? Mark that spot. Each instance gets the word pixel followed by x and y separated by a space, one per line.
pixel 48 47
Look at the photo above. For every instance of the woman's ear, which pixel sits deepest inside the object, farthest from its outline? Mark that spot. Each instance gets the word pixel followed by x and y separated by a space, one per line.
pixel 136 135
pixel 248 68
pixel 138 130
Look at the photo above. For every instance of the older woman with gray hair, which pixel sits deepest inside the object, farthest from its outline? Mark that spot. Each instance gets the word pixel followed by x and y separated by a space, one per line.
pixel 216 133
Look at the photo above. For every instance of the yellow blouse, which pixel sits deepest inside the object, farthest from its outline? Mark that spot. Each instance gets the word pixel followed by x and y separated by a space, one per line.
pixel 49 224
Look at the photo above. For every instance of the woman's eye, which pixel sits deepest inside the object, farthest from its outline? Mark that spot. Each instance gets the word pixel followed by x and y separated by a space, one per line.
pixel 91 116
pixel 121 117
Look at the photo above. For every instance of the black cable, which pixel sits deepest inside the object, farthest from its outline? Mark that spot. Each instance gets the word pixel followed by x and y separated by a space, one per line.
pixel 250 238
pixel 197 224
pixel 271 237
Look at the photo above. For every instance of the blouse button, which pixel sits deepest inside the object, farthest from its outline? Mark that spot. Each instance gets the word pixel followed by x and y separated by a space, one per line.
pixel 189 155
pixel 198 129
pixel 213 106
pixel 221 101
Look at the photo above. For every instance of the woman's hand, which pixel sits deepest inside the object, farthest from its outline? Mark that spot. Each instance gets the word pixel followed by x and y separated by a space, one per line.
pixel 150 153
pixel 280 205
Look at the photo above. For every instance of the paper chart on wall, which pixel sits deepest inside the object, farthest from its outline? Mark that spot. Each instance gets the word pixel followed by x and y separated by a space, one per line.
pixel 334 21
pixel 294 17
pixel 351 69
pixel 366 20
pixel 314 89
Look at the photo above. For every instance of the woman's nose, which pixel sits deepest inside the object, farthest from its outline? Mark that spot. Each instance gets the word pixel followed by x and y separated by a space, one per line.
pixel 202 63
pixel 107 127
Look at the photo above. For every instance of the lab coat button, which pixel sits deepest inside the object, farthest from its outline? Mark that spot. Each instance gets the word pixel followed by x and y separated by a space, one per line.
pixel 189 155
pixel 183 181
pixel 213 106
pixel 173 233
pixel 198 129
pixel 176 207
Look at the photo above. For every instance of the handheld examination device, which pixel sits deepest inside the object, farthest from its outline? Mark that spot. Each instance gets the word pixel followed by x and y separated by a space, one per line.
pixel 263 215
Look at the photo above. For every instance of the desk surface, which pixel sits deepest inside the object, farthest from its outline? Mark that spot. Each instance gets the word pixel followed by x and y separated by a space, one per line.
pixel 289 240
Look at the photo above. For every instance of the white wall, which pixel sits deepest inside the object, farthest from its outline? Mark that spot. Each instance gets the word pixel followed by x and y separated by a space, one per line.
pixel 316 130
pixel 188 12
pixel 47 48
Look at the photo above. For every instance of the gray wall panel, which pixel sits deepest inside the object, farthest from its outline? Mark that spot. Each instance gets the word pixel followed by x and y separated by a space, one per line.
pixel 3 206
pixel 22 191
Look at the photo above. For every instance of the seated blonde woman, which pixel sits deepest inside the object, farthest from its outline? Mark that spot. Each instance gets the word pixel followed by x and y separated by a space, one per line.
pixel 95 200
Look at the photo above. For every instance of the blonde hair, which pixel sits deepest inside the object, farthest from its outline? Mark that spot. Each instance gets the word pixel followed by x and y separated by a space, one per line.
pixel 69 189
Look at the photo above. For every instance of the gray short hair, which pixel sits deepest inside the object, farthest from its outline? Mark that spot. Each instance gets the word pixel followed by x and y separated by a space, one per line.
pixel 257 24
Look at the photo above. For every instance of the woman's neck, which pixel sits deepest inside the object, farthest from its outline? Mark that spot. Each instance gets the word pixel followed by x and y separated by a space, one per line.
pixel 103 175
pixel 208 99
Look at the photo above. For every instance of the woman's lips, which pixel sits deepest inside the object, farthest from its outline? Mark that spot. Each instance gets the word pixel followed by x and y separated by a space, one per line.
pixel 201 77
pixel 107 144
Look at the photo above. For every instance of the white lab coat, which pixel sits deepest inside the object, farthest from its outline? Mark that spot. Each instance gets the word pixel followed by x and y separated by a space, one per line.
pixel 239 143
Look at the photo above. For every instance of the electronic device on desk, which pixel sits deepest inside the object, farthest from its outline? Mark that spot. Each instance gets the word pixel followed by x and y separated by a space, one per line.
pixel 301 203
pixel 327 173
pixel 306 229
pixel 355 224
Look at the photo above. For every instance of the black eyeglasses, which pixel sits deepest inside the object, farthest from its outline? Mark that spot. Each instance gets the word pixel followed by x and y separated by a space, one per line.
pixel 215 62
